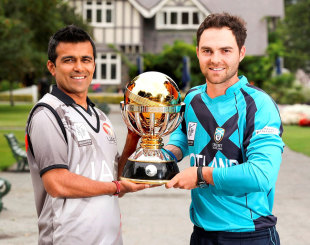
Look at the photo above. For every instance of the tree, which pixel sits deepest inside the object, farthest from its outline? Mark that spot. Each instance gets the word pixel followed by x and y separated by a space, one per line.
pixel 295 31
pixel 169 62
pixel 25 29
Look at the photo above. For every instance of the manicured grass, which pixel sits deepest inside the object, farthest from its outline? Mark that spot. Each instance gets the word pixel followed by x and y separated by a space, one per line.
pixel 13 120
pixel 7 158
pixel 14 116
pixel 297 138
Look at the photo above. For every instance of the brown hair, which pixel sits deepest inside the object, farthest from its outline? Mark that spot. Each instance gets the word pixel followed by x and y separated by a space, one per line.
pixel 234 23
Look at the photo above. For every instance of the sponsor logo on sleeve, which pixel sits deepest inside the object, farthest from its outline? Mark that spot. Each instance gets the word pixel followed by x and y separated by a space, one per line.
pixel 268 130
pixel 191 132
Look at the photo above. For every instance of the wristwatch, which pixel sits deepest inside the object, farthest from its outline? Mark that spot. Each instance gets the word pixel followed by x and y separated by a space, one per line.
pixel 201 183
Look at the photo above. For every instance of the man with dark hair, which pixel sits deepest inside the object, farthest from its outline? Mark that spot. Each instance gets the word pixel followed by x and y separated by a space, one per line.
pixel 232 134
pixel 72 152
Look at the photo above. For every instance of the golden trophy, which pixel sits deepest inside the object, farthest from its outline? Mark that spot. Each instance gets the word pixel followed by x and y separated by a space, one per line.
pixel 152 108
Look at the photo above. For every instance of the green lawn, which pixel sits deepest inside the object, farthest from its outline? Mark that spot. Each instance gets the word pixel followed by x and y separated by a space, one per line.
pixel 297 138
pixel 13 119
pixel 14 116
pixel 7 158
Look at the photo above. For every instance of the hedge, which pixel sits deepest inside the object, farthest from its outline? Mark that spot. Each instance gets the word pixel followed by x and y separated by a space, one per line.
pixel 17 97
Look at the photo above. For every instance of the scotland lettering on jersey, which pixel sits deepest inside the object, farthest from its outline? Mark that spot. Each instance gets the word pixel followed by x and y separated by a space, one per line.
pixel 217 162
pixel 82 134
pixel 191 132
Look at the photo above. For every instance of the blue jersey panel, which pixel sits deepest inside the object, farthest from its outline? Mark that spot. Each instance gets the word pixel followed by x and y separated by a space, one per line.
pixel 239 134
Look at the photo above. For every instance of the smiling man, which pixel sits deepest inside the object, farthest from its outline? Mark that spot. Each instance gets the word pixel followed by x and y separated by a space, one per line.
pixel 232 134
pixel 72 156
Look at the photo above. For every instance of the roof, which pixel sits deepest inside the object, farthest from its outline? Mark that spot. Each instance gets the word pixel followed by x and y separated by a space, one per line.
pixel 254 12
pixel 148 8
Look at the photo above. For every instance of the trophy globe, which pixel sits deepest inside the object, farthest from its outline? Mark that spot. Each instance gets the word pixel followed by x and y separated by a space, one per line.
pixel 152 108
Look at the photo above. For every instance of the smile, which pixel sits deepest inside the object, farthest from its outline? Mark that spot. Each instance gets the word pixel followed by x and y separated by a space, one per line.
pixel 79 77
pixel 216 69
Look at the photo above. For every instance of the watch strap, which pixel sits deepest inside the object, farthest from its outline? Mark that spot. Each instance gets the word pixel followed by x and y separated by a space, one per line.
pixel 201 182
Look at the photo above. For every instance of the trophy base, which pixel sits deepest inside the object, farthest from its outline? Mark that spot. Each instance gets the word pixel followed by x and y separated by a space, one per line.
pixel 157 172
pixel 143 181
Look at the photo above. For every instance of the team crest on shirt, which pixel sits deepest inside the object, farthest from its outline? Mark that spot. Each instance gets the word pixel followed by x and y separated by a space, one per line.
pixel 110 133
pixel 191 132
pixel 82 135
pixel 219 134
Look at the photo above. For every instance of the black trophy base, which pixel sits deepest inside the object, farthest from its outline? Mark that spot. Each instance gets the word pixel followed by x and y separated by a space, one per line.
pixel 149 173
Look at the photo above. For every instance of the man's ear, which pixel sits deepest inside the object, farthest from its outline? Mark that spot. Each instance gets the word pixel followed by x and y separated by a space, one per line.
pixel 242 53
pixel 51 67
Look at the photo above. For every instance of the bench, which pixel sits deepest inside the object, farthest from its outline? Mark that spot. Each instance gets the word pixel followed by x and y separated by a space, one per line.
pixel 18 152
pixel 5 187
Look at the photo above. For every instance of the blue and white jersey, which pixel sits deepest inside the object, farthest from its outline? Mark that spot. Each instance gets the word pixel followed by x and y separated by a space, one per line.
pixel 239 134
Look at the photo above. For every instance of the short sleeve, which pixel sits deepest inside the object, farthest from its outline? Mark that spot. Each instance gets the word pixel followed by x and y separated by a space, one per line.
pixel 48 142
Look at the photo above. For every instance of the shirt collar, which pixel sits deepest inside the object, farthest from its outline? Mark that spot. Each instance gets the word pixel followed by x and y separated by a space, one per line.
pixel 66 99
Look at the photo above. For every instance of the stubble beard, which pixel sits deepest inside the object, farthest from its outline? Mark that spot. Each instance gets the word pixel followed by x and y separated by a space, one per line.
pixel 227 78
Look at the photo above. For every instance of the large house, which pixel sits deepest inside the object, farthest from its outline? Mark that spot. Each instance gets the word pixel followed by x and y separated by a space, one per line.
pixel 132 27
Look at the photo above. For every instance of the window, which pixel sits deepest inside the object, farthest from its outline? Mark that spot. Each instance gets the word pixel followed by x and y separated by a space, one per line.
pixel 113 71
pixel 185 19
pixel 173 18
pixel 88 15
pixel 196 18
pixel 178 18
pixel 99 13
pixel 109 16
pixel 108 69
pixel 103 71
pixel 131 49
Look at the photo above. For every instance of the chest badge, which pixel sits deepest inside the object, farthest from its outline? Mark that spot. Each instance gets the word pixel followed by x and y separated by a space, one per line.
pixel 110 133
pixel 82 135
pixel 219 134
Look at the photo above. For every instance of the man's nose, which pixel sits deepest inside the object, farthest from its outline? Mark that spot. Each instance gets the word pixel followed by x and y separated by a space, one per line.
pixel 216 58
pixel 78 66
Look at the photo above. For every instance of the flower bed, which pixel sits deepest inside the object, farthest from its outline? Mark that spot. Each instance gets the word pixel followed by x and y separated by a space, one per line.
pixel 295 114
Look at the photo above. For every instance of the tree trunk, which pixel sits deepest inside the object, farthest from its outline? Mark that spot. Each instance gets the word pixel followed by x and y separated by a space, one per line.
pixel 11 94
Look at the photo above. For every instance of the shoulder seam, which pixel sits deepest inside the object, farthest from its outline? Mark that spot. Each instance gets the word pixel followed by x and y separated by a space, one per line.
pixel 62 127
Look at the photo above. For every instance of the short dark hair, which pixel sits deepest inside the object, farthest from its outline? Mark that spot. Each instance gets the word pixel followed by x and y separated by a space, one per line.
pixel 68 34
pixel 234 23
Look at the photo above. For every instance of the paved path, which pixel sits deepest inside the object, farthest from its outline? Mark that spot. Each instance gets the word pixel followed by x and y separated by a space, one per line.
pixel 159 216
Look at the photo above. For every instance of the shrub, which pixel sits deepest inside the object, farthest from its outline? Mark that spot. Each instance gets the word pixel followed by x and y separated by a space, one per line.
pixel 284 90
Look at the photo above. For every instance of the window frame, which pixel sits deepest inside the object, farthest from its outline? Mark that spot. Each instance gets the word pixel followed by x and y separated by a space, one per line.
pixel 166 13
pixel 94 7
pixel 109 62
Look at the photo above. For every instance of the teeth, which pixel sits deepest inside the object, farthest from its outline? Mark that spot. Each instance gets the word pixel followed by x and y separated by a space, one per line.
pixel 78 77
pixel 217 69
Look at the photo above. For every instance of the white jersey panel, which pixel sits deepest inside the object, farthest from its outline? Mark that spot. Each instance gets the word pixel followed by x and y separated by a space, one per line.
pixel 90 151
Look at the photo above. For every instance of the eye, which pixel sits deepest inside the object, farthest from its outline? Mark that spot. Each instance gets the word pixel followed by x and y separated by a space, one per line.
pixel 68 60
pixel 87 60
pixel 207 51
